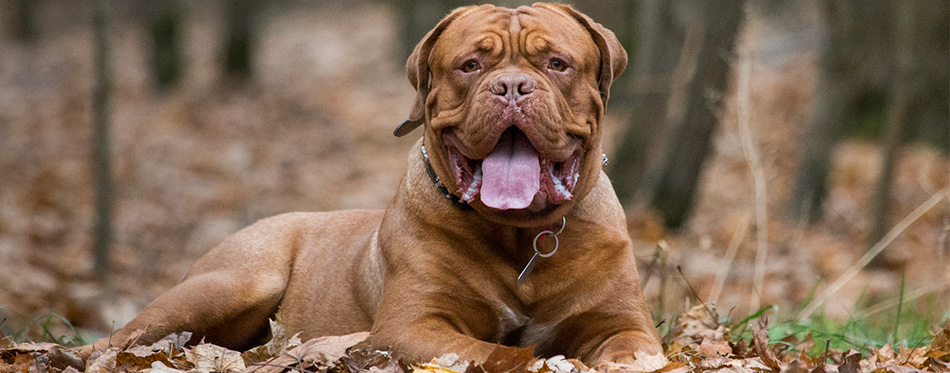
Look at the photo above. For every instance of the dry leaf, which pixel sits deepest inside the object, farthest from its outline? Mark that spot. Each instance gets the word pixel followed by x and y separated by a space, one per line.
pixel 448 363
pixel 104 362
pixel 138 358
pixel 31 347
pixel 760 335
pixel 715 348
pixel 911 356
pixel 60 358
pixel 693 324
pixel 158 367
pixel 171 343
pixel 506 359
pixel 209 357
pixel 882 355
pixel 363 359
pixel 941 341
pixel 850 362
pixel 278 344
pixel 644 363
pixel 323 351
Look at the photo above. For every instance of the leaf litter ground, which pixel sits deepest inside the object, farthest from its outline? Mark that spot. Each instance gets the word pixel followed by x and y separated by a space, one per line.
pixel 697 343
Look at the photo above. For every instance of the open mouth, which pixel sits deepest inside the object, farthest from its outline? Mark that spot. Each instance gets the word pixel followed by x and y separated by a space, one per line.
pixel 514 175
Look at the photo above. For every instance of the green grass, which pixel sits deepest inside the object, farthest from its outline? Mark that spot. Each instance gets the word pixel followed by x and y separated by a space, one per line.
pixel 904 325
pixel 40 328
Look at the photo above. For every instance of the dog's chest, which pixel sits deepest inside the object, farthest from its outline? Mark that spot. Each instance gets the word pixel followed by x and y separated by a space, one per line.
pixel 517 329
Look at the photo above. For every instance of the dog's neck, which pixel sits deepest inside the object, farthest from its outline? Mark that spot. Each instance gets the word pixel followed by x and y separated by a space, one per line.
pixel 458 202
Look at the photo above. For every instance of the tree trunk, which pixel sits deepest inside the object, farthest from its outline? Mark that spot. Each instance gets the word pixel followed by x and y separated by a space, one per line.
pixel 655 55
pixel 239 42
pixel 691 133
pixel 23 23
pixel 843 77
pixel 166 44
pixel 101 150
pixel 902 95
pixel 417 17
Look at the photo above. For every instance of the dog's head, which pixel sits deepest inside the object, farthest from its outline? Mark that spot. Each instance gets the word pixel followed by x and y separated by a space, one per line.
pixel 512 100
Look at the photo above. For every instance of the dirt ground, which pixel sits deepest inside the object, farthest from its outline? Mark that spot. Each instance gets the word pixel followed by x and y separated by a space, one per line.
pixel 313 132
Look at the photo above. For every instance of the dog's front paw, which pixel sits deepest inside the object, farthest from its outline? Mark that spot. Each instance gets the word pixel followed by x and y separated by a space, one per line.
pixel 639 362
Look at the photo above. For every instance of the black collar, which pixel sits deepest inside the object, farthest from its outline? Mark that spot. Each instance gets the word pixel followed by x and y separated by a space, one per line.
pixel 458 202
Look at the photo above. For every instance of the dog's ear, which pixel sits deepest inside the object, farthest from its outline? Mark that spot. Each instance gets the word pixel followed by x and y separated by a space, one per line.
pixel 417 67
pixel 613 58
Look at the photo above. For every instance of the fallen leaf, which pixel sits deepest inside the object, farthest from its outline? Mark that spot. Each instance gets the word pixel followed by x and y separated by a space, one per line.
pixel 360 359
pixel 171 343
pixel 941 341
pixel 760 336
pixel 796 366
pixel 210 357
pixel 934 365
pixel 882 355
pixel 850 362
pixel 31 347
pixel 159 367
pixel 138 359
pixel 911 356
pixel 323 351
pixel 505 359
pixel 61 358
pixel 715 348
pixel 644 363
pixel 559 364
pixel 104 361
pixel 696 322
pixel 448 363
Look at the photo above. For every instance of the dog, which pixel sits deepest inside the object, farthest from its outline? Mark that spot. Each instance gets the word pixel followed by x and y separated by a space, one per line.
pixel 505 231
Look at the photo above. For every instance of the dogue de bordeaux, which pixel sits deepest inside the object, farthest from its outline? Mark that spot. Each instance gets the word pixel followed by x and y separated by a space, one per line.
pixel 504 230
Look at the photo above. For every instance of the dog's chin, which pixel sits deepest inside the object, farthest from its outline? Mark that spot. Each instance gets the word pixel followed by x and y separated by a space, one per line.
pixel 547 214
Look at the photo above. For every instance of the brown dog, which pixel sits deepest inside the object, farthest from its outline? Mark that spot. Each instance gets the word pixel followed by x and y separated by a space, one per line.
pixel 512 102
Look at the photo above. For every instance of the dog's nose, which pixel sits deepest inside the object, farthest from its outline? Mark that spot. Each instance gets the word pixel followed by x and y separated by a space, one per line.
pixel 513 86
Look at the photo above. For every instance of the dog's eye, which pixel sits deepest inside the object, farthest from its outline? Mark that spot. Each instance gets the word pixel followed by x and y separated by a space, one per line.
pixel 470 66
pixel 557 64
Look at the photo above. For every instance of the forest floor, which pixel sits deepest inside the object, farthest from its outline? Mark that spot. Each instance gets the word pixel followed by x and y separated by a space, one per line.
pixel 313 132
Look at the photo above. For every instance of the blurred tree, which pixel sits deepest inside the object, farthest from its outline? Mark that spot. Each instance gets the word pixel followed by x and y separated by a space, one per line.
pixel 616 15
pixel 101 151
pixel 165 29
pixel 909 90
pixel 417 17
pixel 23 22
pixel 871 80
pixel 239 39
pixel 673 177
pixel 839 93
pixel 659 29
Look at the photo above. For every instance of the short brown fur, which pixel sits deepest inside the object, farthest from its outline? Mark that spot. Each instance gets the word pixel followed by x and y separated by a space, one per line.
pixel 425 276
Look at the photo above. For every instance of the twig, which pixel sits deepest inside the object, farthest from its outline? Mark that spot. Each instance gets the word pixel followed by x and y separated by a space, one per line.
pixel 899 228
pixel 652 267
pixel 751 152
pixel 663 278
pixel 696 294
pixel 737 238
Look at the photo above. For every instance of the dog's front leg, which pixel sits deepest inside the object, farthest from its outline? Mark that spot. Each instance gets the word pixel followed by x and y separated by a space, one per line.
pixel 634 349
pixel 420 326
pixel 429 337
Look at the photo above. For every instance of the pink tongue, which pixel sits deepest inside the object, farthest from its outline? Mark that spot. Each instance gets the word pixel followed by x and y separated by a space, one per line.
pixel 511 174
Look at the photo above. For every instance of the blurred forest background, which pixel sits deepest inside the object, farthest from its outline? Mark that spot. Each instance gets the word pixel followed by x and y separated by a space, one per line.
pixel 791 153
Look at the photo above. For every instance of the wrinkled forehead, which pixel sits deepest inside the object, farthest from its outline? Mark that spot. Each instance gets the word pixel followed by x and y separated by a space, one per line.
pixel 526 29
